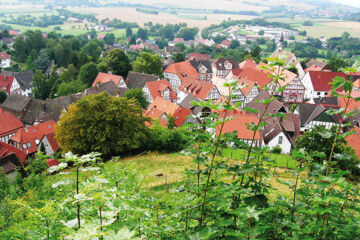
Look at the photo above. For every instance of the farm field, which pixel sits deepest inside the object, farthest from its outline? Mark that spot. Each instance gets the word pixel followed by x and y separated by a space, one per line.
pixel 131 15
pixel 323 27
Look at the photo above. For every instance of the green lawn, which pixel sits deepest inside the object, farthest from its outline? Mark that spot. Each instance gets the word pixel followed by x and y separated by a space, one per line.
pixel 282 160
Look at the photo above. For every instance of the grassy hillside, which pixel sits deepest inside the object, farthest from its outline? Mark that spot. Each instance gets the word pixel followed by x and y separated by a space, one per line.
pixel 160 170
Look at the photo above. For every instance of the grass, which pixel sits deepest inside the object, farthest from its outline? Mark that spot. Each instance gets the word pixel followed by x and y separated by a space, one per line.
pixel 160 170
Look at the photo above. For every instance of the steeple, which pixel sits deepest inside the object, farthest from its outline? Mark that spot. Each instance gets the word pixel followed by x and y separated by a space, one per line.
pixel 280 45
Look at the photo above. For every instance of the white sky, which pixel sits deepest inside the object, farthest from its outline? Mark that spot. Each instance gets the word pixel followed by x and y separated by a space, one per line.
pixel 355 3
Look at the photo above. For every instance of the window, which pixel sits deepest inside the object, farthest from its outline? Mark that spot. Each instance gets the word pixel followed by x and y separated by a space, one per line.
pixel 318 93
pixel 280 139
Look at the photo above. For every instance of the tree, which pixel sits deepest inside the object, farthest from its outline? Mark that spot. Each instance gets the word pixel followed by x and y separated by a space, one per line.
pixel 178 57
pixel 118 62
pixel 109 38
pixel 42 61
pixel 41 85
pixel 142 33
pixel 293 69
pixel 3 96
pixel 336 64
pixel 102 123
pixel 88 73
pixel 345 35
pixel 129 32
pixel 234 44
pixel 308 23
pixel 148 63
pixel 188 33
pixel 137 94
pixel 93 49
pixel 261 32
pixel 67 88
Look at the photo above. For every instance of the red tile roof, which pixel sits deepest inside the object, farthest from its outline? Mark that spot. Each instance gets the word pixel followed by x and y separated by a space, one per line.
pixel 14 32
pixel 52 141
pixel 107 77
pixel 313 68
pixel 100 36
pixel 180 40
pixel 32 135
pixel 239 124
pixel 9 124
pixel 156 87
pixel 4 56
pixel 197 88
pixel 354 141
pixel 6 83
pixel 184 70
pixel 52 162
pixel 256 76
pixel 160 107
pixel 6 149
pixel 249 63
pixel 198 56
pixel 321 80
pixel 180 115
pixel 226 43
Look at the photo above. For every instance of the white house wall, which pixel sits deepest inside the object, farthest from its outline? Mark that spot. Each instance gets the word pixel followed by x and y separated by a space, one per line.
pixel 285 145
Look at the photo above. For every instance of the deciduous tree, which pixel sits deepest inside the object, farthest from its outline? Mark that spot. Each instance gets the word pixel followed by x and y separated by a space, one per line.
pixel 102 123
pixel 148 63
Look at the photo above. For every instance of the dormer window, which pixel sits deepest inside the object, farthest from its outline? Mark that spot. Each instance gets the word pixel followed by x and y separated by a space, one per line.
pixel 37 141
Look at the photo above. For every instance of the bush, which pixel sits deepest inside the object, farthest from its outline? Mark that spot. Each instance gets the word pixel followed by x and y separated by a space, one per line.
pixel 166 140
pixel 276 149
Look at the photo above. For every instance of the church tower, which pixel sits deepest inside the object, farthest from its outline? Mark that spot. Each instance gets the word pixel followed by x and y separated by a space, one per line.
pixel 280 45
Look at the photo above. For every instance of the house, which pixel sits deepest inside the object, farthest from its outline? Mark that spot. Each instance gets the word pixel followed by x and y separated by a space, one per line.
pixel 176 41
pixel 5 60
pixel 237 94
pixel 179 72
pixel 28 139
pixel 207 42
pixel 161 88
pixel 223 67
pixel 31 111
pixel 100 36
pixel 316 64
pixel 6 83
pixel 14 32
pixel 282 132
pixel 6 149
pixel 272 108
pixel 294 92
pixel 16 105
pixel 197 112
pixel 317 84
pixel 225 43
pixel 354 140
pixel 138 80
pixel 161 109
pixel 50 144
pixel 137 47
pixel 22 84
pixel 9 124
pixel 107 77
pixel 10 164
pixel 198 88
pixel 249 63
pixel 170 50
pixel 315 115
pixel 198 57
pixel 290 60
pixel 239 124
pixel 203 67
pixel 253 79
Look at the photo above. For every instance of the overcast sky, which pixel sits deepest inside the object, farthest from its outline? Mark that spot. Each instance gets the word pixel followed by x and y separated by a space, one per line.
pixel 355 3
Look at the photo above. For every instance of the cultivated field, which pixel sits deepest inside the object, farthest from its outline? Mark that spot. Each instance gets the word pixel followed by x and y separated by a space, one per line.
pixel 131 15
pixel 323 27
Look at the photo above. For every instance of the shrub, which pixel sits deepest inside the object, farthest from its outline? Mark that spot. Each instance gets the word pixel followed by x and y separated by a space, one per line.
pixel 276 149
pixel 166 140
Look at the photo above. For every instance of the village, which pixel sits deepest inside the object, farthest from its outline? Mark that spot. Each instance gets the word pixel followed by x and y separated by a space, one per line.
pixel 27 124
